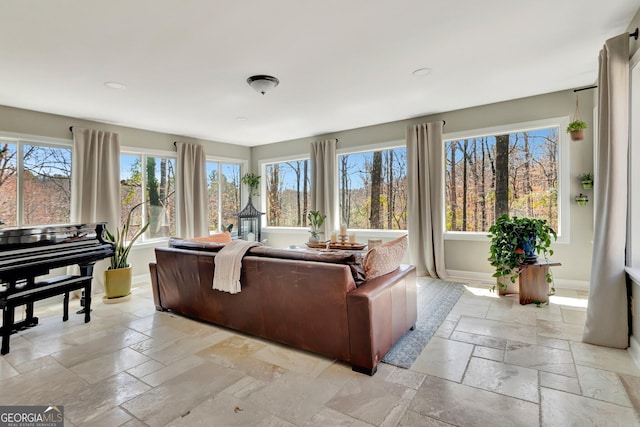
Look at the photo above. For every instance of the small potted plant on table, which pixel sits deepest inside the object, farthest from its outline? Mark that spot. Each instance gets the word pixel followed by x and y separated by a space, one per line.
pixel 316 219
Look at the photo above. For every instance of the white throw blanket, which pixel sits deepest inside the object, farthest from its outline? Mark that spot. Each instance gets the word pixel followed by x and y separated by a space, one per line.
pixel 228 262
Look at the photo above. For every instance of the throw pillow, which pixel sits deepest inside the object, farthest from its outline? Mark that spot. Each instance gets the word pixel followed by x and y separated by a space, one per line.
pixel 224 237
pixel 384 258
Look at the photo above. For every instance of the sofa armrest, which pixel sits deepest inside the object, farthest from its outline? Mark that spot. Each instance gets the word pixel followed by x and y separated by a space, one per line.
pixel 380 312
pixel 153 270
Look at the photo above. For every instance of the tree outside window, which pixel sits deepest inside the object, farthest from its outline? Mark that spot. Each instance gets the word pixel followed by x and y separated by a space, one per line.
pixel 46 183
pixel 158 181
pixel 514 173
pixel 373 189
pixel 288 190
pixel 223 187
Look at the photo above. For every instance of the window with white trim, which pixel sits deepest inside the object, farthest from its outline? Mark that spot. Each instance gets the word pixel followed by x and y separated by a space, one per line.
pixel 287 191
pixel 372 188
pixel 148 180
pixel 223 187
pixel 35 182
pixel 514 169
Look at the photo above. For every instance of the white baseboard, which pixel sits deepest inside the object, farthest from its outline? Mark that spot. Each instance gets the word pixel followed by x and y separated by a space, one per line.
pixel 579 285
pixel 141 278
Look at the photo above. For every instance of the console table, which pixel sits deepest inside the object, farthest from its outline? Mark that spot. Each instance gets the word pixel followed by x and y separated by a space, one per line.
pixel 533 281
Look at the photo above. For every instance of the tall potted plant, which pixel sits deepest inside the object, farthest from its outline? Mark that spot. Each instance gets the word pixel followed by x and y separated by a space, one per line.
pixel 117 278
pixel 515 241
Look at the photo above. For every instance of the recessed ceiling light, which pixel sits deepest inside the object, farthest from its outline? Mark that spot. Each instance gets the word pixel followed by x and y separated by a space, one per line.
pixel 422 72
pixel 114 85
pixel 241 119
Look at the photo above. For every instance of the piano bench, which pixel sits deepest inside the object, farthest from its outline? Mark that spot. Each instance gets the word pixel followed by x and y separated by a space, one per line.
pixel 41 290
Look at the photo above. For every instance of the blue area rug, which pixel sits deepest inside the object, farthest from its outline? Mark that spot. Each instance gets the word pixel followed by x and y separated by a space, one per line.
pixel 436 298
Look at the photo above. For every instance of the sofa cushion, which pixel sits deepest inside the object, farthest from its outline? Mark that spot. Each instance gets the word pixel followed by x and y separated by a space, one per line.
pixel 351 258
pixel 384 258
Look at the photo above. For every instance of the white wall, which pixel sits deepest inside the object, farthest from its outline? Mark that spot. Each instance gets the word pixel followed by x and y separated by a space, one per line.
pixel 470 257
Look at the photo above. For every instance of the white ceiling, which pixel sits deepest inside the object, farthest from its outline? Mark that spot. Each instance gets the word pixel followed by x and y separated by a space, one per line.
pixel 342 64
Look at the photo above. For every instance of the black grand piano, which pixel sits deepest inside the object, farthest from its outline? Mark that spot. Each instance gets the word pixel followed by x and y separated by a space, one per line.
pixel 26 253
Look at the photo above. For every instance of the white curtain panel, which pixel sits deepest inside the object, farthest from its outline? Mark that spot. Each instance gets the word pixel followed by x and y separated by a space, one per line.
pixel 425 154
pixel 95 184
pixel 323 181
pixel 606 323
pixel 192 209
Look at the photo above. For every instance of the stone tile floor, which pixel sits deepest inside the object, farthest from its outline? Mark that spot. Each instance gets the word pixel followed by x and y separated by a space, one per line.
pixel 491 363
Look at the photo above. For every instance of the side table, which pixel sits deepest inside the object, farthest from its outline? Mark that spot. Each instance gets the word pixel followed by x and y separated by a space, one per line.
pixel 533 281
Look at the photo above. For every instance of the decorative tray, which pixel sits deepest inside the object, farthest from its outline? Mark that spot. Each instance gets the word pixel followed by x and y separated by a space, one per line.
pixel 347 246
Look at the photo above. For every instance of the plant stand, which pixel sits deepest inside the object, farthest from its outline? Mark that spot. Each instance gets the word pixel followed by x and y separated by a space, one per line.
pixel 533 282
pixel 511 287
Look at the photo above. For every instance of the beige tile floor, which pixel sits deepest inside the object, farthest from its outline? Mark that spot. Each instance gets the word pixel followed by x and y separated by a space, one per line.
pixel 491 363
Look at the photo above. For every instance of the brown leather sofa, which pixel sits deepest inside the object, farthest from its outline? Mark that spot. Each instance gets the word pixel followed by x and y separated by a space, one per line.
pixel 306 299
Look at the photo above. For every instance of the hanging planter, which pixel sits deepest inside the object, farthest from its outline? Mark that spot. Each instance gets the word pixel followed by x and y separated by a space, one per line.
pixel 577 126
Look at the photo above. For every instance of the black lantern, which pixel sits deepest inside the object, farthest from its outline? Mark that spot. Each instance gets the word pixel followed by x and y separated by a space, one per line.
pixel 249 224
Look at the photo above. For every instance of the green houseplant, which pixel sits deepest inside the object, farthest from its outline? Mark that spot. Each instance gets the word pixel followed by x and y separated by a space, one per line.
pixel 117 278
pixel 253 181
pixel 587 180
pixel 316 219
pixel 515 241
pixel 576 130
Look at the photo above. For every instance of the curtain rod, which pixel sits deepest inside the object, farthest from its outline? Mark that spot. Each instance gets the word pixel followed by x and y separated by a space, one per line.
pixel 585 88
pixel 70 128
pixel 634 34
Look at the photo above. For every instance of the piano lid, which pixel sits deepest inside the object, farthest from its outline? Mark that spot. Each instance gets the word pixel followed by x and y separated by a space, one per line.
pixel 39 235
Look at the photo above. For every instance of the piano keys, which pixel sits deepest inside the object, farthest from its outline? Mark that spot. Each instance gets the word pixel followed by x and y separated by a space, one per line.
pixel 29 252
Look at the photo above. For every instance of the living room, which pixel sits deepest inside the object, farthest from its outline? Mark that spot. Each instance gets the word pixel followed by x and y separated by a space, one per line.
pixel 465 259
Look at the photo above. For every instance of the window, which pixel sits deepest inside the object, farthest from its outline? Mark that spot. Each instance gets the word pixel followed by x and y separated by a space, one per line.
pixel 373 189
pixel 35 182
pixel 156 183
pixel 287 193
pixel 223 186
pixel 514 172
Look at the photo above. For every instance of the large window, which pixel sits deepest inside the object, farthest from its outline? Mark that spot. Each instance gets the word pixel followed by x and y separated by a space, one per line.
pixel 514 172
pixel 373 189
pixel 150 181
pixel 287 193
pixel 35 182
pixel 223 186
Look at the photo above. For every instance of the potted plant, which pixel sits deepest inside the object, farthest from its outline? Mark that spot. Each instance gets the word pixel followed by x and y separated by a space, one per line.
pixel 515 241
pixel 576 130
pixel 582 199
pixel 117 278
pixel 253 181
pixel 587 180
pixel 316 219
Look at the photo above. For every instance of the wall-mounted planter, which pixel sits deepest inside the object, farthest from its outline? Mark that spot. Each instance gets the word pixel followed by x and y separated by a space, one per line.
pixel 582 200
pixel 587 185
